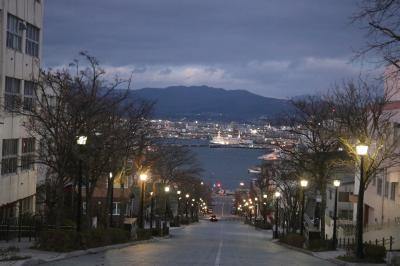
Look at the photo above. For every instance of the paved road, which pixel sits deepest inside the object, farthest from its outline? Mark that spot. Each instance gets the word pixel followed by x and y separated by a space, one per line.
pixel 226 242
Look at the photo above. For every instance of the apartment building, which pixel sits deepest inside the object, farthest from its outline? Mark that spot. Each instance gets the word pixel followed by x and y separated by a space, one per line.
pixel 20 52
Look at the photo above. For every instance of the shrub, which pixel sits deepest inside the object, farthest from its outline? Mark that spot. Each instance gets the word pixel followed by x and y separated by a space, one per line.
pixel 293 239
pixel 262 225
pixel 320 245
pixel 144 234
pixel 63 240
pixel 375 252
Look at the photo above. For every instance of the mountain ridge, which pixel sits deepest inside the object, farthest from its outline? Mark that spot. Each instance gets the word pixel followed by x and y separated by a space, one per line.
pixel 208 103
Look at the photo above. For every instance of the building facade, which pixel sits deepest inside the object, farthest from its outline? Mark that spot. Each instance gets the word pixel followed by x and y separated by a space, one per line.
pixel 20 52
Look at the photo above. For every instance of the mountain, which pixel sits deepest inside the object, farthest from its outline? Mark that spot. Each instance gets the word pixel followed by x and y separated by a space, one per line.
pixel 207 103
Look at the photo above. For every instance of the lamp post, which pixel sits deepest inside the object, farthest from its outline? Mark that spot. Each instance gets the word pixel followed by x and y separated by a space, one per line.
pixel 151 209
pixel 111 185
pixel 277 195
pixel 81 141
pixel 143 178
pixel 179 206
pixel 336 184
pixel 166 190
pixel 187 196
pixel 264 207
pixel 362 151
pixel 303 184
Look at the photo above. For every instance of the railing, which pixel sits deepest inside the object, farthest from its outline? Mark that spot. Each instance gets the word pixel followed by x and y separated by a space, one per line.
pixel 348 243
pixel 11 230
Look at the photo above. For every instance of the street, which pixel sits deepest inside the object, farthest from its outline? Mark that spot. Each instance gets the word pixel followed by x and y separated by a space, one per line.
pixel 226 242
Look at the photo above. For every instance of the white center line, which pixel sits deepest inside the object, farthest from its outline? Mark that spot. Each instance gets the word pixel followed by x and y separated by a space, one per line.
pixel 218 258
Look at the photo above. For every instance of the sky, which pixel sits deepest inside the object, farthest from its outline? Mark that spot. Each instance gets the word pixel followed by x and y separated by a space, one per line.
pixel 275 48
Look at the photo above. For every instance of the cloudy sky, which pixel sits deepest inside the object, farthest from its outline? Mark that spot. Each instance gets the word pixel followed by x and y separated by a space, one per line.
pixel 276 48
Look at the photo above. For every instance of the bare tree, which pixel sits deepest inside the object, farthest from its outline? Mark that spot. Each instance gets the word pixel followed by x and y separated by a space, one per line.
pixel 82 102
pixel 362 117
pixel 314 154
pixel 382 22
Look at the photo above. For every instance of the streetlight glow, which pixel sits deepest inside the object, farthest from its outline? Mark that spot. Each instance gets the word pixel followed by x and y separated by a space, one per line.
pixel 362 149
pixel 336 183
pixel 110 175
pixel 187 196
pixel 166 189
pixel 304 183
pixel 178 192
pixel 143 177
pixel 277 194
pixel 81 140
pixel 265 196
pixel 241 184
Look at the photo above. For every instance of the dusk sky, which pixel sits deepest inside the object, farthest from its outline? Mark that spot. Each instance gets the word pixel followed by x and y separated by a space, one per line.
pixel 276 48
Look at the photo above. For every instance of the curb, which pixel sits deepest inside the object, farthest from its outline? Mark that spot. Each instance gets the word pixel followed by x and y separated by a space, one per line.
pixel 78 253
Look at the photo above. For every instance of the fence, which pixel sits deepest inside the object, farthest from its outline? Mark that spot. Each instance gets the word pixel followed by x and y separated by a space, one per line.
pixel 346 243
pixel 10 230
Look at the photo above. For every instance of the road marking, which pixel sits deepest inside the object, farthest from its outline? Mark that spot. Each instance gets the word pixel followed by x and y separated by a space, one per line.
pixel 218 258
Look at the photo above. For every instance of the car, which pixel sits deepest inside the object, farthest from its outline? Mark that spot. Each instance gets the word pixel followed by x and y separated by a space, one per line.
pixel 213 218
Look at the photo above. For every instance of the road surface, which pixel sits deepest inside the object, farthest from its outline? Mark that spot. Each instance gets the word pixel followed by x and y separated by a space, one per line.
pixel 226 242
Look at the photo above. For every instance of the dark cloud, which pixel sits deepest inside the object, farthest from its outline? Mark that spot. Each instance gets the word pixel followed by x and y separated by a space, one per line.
pixel 275 48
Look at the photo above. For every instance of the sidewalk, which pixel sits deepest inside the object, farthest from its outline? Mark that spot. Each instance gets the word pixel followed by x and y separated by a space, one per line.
pixel 330 256
pixel 38 256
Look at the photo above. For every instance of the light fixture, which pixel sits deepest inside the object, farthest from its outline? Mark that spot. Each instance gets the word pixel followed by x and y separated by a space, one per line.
pixel 178 192
pixel 336 183
pixel 81 140
pixel 143 177
pixel 241 184
pixel 166 189
pixel 187 196
pixel 304 183
pixel 277 194
pixel 265 196
pixel 362 149
pixel 110 175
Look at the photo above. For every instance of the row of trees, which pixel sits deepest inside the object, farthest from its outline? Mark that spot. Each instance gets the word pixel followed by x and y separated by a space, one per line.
pixel 82 101
pixel 328 127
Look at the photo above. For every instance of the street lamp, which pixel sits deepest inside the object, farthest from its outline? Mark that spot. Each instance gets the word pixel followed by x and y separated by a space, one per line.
pixel 187 196
pixel 151 209
pixel 111 186
pixel 241 184
pixel 179 206
pixel 277 195
pixel 336 184
pixel 143 178
pixel 166 190
pixel 81 141
pixel 362 151
pixel 303 184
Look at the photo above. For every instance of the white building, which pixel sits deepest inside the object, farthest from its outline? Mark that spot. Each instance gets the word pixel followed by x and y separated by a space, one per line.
pixel 20 52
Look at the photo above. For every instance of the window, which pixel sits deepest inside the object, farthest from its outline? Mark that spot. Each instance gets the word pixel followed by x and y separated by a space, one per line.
pixel 379 187
pixel 344 196
pixel 27 157
pixel 12 93
pixel 116 208
pixel 386 189
pixel 14 32
pixel 393 187
pixel 9 161
pixel 32 40
pixel 29 96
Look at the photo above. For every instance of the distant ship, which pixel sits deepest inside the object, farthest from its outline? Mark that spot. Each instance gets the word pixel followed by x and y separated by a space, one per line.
pixel 230 140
